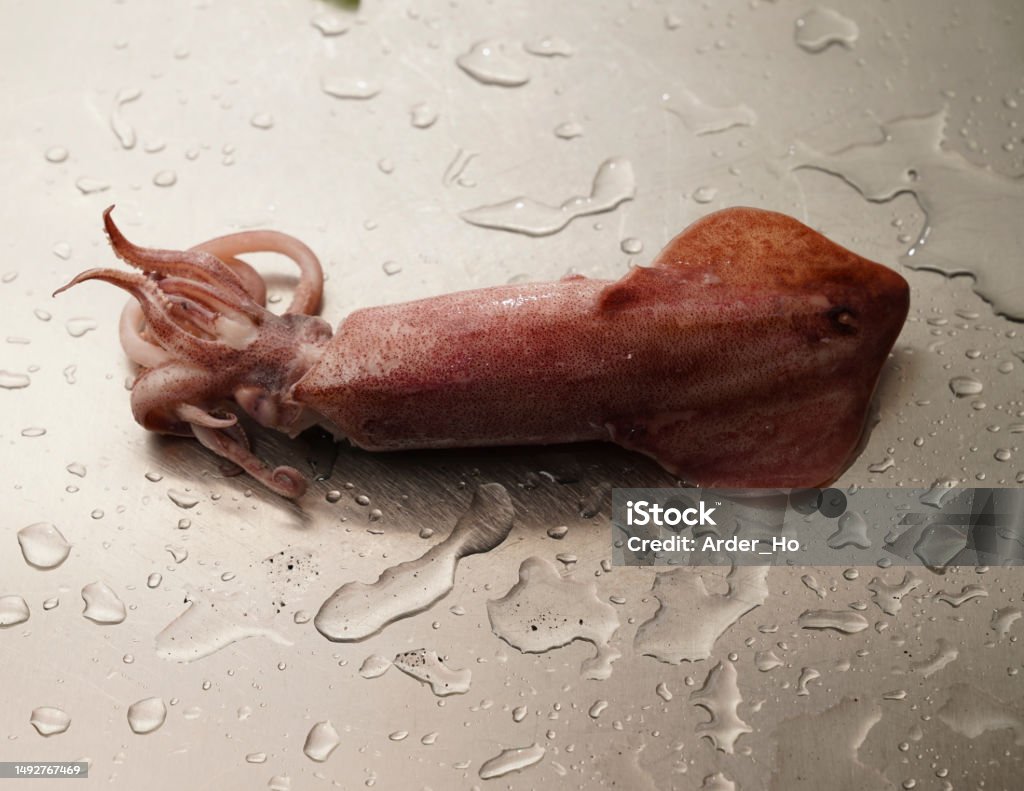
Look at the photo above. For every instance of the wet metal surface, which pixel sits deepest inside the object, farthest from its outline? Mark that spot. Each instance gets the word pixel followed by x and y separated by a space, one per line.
pixel 381 137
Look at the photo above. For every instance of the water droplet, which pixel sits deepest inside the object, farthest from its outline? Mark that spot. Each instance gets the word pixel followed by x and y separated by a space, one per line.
pixel 386 166
pixel 51 603
pixel 558 533
pixel 56 154
pixel 180 554
pixel 568 130
pixel 89 186
pixel 43 545
pixel 839 620
pixel 102 605
pixel 599 706
pixel 549 47
pixel 256 758
pixel 519 713
pixel 544 610
pixel 704 194
pixel 49 720
pixel 821 27
pixel 613 184
pixel 704 119
pixel 79 326
pixel 807 675
pixel 967 593
pixel 1003 619
pixel 182 499
pixel 398 736
pixel 963 386
pixel 511 760
pixel 882 466
pixel 488 62
pixel 357 610
pixel 427 667
pixel 945 653
pixel 851 531
pixel 374 665
pixel 321 741
pixel 33 431
pixel 13 381
pixel 349 88
pixel 123 130
pixel 262 121
pixel 146 715
pixel 631 246
pixel 165 178
pixel 422 115
pixel 391 267
pixel 889 598
pixel 42 315
pixel 767 660
pixel 331 25
pixel 13 610
pixel 1003 454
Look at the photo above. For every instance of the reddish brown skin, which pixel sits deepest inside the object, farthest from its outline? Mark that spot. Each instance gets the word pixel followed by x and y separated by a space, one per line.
pixel 746 355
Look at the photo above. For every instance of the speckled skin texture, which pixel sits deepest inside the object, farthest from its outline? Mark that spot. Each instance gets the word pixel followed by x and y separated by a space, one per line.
pixel 746 355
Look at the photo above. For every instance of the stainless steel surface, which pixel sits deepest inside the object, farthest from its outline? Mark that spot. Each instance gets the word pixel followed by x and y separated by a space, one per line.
pixel 202 117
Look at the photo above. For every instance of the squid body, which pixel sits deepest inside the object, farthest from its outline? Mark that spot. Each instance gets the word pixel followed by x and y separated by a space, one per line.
pixel 745 355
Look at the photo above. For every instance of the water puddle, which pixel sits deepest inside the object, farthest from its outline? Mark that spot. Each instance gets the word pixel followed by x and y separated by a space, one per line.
pixel 702 118
pixel 357 610
pixel 720 697
pixel 956 196
pixel 211 622
pixel 613 184
pixel 427 667
pixel 690 619
pixel 836 733
pixel 822 27
pixel 544 610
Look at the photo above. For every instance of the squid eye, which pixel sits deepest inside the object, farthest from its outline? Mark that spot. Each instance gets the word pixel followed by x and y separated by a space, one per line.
pixel 843 320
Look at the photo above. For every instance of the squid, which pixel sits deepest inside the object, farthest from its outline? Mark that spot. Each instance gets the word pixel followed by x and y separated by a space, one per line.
pixel 745 355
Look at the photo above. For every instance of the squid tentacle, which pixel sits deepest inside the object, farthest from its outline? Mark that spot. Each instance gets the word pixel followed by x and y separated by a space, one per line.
pixel 169 321
pixel 195 264
pixel 147 353
pixel 168 398
pixel 284 480
pixel 308 292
